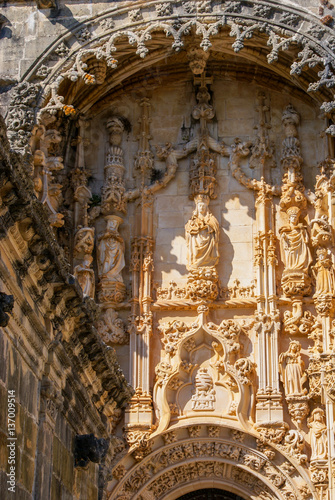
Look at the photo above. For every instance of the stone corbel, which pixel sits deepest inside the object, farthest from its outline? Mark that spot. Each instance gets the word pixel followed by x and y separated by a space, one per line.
pixel 6 306
pixel 46 4
pixel 88 448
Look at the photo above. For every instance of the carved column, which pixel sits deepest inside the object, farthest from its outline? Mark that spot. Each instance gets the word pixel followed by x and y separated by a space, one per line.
pixel 139 413
pixel 112 193
pixel 269 401
pixel 269 406
pixel 324 301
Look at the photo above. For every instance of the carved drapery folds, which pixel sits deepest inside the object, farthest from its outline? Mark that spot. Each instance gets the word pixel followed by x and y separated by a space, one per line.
pixel 293 376
pixel 202 240
pixel 111 288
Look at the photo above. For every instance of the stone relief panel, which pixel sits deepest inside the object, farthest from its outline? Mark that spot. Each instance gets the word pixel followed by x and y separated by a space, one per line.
pixel 203 371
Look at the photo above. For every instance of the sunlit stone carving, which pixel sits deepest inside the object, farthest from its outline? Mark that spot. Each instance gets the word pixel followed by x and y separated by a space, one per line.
pixel 204 397
pixel 292 370
pixel 318 428
pixel 295 254
pixel 202 236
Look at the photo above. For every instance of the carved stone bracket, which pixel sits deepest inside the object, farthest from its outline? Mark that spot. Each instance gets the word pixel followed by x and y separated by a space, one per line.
pixel 6 306
pixel 89 448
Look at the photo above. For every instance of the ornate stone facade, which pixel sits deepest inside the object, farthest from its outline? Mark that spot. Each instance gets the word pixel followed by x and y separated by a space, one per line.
pixel 167 248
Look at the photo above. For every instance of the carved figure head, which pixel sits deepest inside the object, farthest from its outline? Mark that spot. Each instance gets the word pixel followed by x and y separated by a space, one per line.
pixel 294 346
pixel 202 202
pixel 84 241
pixel 322 253
pixel 293 215
pixel 290 121
pixel 115 129
pixel 113 222
pixel 317 415
pixel 198 59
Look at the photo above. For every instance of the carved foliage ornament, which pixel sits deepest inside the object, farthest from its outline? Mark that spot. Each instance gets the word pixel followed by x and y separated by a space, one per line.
pixel 277 42
pixel 176 454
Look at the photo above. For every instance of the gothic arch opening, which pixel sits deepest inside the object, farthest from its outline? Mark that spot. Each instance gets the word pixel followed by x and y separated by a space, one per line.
pixel 210 494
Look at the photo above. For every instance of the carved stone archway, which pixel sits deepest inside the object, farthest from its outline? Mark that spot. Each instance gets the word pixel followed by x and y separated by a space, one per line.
pixel 95 57
pixel 210 494
pixel 199 456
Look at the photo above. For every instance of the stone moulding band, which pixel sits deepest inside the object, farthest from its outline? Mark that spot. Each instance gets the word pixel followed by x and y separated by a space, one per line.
pixel 202 453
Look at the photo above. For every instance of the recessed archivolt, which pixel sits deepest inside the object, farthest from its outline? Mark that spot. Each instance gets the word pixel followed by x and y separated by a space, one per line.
pixel 188 456
pixel 149 31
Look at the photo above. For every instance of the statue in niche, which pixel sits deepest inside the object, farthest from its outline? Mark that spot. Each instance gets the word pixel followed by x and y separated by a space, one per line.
pixel 111 251
pixel 202 236
pixel 292 370
pixel 85 276
pixel 84 242
pixel 204 397
pixel 318 428
pixel 83 248
pixel 295 252
pixel 324 274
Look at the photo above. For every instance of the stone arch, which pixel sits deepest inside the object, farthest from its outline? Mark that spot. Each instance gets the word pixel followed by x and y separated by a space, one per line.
pixel 199 456
pixel 217 493
pixel 118 43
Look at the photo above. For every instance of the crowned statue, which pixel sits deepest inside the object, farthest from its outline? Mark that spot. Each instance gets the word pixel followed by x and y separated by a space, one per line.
pixel 202 236
pixel 295 254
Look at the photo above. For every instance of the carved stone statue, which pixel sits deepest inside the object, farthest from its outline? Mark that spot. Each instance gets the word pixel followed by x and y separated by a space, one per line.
pixel 84 242
pixel 204 397
pixel 202 236
pixel 83 248
pixel 111 251
pixel 324 274
pixel 318 428
pixel 111 328
pixel 291 369
pixel 296 255
pixel 295 252
pixel 85 276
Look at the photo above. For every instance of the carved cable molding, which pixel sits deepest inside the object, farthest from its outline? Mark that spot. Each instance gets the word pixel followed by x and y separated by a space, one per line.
pixel 279 24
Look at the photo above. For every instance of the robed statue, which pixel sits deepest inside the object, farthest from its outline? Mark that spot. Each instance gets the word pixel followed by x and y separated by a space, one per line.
pixel 202 236
pixel 292 370
pixel 318 434
pixel 111 251
pixel 295 252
